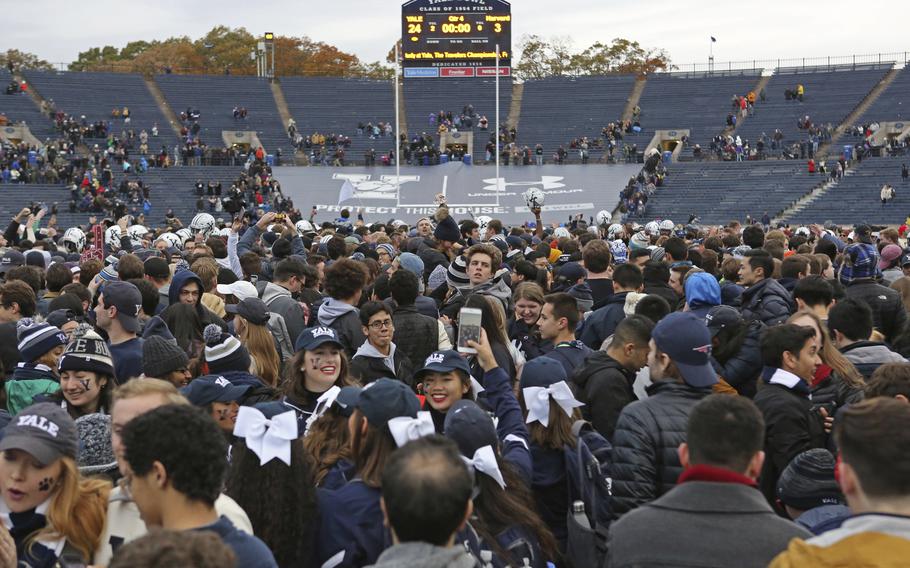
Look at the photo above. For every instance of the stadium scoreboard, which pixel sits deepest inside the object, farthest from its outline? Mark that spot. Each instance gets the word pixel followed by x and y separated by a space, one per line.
pixel 456 38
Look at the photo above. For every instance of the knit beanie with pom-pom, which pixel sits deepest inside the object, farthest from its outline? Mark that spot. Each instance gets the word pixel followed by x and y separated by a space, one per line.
pixel 36 339
pixel 224 352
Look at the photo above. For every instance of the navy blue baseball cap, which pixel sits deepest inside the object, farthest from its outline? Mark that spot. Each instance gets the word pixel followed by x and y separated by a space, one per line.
pixel 385 399
pixel 313 337
pixel 212 388
pixel 443 362
pixel 11 259
pixel 542 371
pixel 347 400
pixel 687 341
pixel 470 427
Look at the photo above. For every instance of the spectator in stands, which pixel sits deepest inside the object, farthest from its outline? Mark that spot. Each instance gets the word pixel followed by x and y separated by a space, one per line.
pixel 715 514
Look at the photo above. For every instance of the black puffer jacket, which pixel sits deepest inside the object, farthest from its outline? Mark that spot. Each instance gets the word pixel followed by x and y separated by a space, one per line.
pixel 834 389
pixel 741 371
pixel 605 387
pixel 888 313
pixel 416 335
pixel 767 302
pixel 645 443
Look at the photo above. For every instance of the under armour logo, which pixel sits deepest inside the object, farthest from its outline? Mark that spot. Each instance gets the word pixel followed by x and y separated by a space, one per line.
pixel 435 358
pixel 706 349
pixel 321 331
pixel 222 382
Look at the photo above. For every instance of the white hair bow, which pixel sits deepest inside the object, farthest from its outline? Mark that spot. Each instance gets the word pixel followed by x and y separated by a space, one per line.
pixel 537 400
pixel 267 438
pixel 323 403
pixel 484 461
pixel 476 387
pixel 405 429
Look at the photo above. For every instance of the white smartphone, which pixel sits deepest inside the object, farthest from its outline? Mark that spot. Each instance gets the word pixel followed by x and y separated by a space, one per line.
pixel 468 329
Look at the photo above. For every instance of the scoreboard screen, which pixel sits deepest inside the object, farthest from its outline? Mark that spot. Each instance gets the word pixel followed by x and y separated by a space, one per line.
pixel 456 38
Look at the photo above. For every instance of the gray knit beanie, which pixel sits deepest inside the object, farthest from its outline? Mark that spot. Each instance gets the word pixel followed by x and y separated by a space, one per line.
pixel 160 357
pixel 96 454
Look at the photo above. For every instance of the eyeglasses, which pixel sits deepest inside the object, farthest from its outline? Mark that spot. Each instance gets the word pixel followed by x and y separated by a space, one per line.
pixel 381 324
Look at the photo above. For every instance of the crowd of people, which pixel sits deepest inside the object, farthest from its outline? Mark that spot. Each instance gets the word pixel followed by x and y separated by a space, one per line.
pixel 276 391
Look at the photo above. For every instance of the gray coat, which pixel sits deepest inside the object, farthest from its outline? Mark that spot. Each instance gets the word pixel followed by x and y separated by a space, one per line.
pixel 424 555
pixel 702 523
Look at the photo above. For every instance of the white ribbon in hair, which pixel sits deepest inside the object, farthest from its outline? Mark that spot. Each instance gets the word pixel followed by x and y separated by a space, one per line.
pixel 476 387
pixel 323 403
pixel 484 461
pixel 537 399
pixel 405 429
pixel 267 438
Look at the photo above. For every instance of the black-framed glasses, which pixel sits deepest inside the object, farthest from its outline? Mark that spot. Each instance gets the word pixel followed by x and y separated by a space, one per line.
pixel 380 324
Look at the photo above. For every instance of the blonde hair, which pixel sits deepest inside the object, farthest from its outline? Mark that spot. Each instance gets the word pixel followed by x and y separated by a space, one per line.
pixel 147 387
pixel 259 342
pixel 902 285
pixel 77 510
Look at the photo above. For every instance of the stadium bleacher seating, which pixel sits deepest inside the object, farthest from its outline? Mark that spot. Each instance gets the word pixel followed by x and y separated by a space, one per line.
pixel 171 188
pixel 428 96
pixel 215 96
pixel 94 95
pixel 893 104
pixel 700 104
pixel 556 111
pixel 861 189
pixel 21 107
pixel 830 96
pixel 720 191
pixel 331 105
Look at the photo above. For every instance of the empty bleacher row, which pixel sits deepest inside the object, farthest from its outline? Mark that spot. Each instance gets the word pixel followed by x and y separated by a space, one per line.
pixel 424 97
pixel 856 197
pixel 21 108
pixel 556 111
pixel 330 105
pixel 829 97
pixel 718 192
pixel 893 104
pixel 95 95
pixel 215 96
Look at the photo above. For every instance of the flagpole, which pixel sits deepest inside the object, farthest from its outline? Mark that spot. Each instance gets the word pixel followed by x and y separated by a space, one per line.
pixel 498 133
pixel 397 135
pixel 711 41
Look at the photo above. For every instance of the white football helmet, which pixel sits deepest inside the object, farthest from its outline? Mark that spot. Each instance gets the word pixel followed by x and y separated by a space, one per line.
pixel 483 221
pixel 652 228
pixel 304 227
pixel 112 237
pixel 185 235
pixel 137 233
pixel 534 197
pixel 203 223
pixel 603 218
pixel 74 240
pixel 666 225
pixel 615 231
pixel 561 232
pixel 171 239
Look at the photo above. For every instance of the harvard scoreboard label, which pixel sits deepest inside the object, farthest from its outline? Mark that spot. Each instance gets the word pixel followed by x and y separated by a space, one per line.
pixel 456 38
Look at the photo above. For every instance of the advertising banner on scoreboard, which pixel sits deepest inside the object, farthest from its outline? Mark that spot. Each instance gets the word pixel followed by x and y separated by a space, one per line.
pixel 456 33
pixel 469 190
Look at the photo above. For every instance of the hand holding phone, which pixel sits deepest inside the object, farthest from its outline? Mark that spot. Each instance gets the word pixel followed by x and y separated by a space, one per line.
pixel 469 320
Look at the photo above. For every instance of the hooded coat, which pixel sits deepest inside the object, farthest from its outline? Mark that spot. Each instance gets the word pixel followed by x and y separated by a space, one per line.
pixel 768 302
pixel 181 279
pixel 605 388
pixel 344 319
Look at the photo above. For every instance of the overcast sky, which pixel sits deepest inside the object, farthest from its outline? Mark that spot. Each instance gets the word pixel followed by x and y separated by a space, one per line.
pixel 58 30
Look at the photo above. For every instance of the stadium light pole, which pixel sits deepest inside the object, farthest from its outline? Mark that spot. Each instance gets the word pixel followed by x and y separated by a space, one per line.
pixel 498 181
pixel 397 135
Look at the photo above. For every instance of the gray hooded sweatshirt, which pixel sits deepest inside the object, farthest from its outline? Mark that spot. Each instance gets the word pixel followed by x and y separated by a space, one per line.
pixel 423 555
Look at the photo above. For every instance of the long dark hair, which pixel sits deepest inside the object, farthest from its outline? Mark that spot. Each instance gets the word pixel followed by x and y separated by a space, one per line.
pixel 328 441
pixel 295 379
pixel 496 509
pixel 186 327
pixel 370 450
pixel 280 501
pixel 489 319
pixel 730 340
